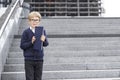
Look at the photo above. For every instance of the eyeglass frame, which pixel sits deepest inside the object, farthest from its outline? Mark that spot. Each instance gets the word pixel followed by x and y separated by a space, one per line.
pixel 34 20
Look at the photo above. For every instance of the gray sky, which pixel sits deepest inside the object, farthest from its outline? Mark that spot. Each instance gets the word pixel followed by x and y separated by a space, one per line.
pixel 111 8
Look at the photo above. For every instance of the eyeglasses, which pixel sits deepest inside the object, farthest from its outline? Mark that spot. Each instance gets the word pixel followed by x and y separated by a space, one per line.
pixel 35 20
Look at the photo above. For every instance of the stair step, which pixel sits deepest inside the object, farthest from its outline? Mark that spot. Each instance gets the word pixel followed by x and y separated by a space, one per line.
pixel 70 66
pixel 72 74
pixel 90 30
pixel 100 26
pixel 78 44
pixel 51 60
pixel 73 48
pixel 67 53
pixel 62 49
pixel 80 40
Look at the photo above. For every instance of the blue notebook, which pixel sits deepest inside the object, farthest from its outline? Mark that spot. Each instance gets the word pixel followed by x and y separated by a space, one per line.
pixel 38 43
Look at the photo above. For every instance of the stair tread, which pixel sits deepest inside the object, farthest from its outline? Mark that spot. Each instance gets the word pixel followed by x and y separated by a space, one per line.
pixel 65 71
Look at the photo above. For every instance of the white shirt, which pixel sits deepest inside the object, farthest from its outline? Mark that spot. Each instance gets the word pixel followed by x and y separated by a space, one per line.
pixel 33 29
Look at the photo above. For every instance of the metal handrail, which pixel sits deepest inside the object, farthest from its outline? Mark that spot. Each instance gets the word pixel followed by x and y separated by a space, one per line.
pixel 7 15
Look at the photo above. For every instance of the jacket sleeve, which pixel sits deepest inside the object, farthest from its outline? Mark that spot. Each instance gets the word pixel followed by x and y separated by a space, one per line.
pixel 45 43
pixel 25 43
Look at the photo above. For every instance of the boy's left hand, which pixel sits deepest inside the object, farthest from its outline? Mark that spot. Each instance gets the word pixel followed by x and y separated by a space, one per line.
pixel 42 38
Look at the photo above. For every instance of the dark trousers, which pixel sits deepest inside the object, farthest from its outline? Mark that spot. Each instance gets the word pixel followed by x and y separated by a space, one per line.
pixel 33 70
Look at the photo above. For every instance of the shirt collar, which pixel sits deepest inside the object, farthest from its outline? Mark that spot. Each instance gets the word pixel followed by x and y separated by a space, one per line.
pixel 33 29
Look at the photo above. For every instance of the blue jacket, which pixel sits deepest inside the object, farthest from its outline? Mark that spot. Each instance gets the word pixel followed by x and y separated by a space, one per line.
pixel 27 46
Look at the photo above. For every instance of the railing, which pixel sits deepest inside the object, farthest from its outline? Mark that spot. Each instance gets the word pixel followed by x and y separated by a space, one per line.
pixel 68 8
pixel 9 23
pixel 8 14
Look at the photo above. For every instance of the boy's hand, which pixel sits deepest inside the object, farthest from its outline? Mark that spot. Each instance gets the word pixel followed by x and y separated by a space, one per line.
pixel 33 39
pixel 42 38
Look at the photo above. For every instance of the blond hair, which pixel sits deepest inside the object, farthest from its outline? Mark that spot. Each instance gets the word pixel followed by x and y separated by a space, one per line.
pixel 34 14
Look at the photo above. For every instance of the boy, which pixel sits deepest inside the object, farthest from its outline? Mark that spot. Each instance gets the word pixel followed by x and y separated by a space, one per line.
pixel 33 58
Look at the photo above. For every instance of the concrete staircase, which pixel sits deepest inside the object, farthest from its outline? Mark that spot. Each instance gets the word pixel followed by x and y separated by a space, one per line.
pixel 93 54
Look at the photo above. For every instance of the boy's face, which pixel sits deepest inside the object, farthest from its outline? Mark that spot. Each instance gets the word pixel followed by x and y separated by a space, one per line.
pixel 34 21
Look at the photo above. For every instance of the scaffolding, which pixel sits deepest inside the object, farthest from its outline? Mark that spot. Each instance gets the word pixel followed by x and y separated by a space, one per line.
pixel 67 7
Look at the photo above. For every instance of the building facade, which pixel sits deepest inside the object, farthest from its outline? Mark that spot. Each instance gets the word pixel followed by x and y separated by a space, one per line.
pixel 5 3
pixel 67 7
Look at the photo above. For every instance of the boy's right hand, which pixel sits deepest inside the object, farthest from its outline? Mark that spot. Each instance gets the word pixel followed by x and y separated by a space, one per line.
pixel 33 39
